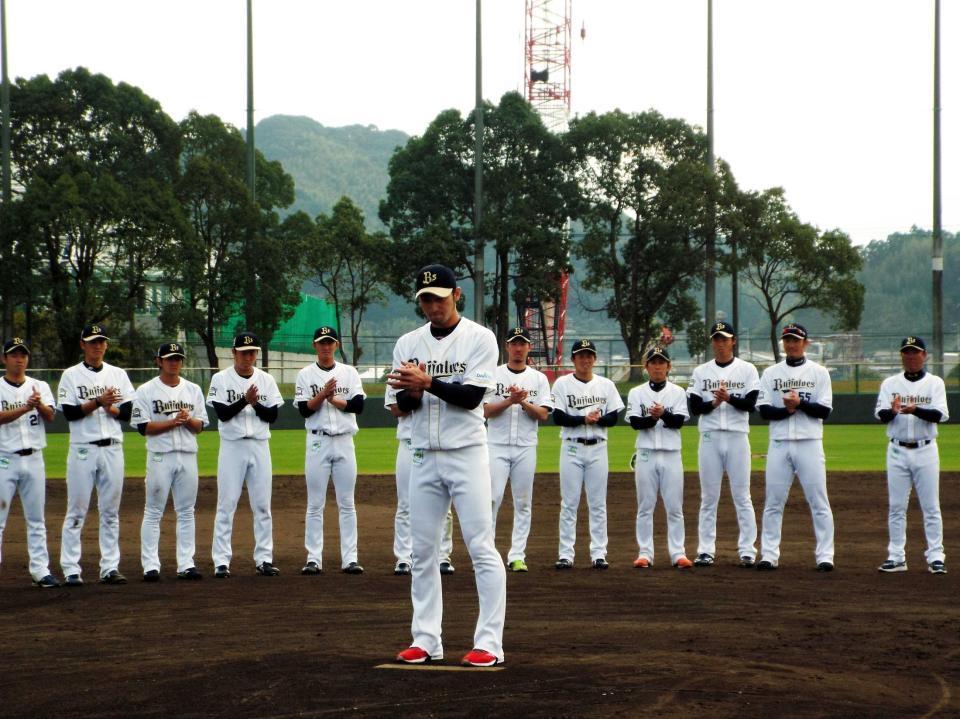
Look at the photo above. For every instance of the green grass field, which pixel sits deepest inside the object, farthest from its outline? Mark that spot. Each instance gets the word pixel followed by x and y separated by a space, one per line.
pixel 848 447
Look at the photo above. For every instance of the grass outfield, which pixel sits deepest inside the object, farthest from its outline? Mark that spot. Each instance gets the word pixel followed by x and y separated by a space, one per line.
pixel 857 447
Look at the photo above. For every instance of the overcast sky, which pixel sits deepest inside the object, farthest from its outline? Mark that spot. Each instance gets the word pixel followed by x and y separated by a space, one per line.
pixel 830 99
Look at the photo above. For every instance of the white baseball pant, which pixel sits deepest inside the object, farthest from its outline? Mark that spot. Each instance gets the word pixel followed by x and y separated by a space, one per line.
pixel 721 451
pixel 26 476
pixel 402 543
pixel 583 467
pixel 169 472
pixel 331 456
pixel 518 465
pixel 463 477
pixel 90 466
pixel 659 471
pixel 243 461
pixel 918 468
pixel 805 458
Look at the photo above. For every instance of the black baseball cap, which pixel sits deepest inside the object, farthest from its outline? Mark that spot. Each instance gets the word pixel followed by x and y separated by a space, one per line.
pixel 657 351
pixel 322 334
pixel 94 332
pixel 246 341
pixel 794 330
pixel 722 328
pixel 518 333
pixel 170 349
pixel 913 343
pixel 583 346
pixel 15 343
pixel 436 280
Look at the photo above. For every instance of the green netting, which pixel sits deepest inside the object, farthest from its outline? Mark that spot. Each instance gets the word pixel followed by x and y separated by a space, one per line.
pixel 296 332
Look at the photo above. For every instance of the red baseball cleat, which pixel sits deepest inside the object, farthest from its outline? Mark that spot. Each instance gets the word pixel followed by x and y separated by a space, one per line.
pixel 413 655
pixel 479 658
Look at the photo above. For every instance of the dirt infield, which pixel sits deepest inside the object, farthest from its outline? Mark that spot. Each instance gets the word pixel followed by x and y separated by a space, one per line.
pixel 717 642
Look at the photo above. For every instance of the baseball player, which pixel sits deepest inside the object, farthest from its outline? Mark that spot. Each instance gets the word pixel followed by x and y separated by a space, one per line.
pixel 95 398
pixel 247 401
pixel 402 543
pixel 657 410
pixel 169 411
pixel 723 393
pixel 911 404
pixel 329 395
pixel 520 401
pixel 795 397
pixel 26 405
pixel 584 406
pixel 442 371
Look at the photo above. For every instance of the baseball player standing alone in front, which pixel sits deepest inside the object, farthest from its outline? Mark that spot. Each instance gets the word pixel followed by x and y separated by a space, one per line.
pixel 26 405
pixel 442 371
pixel 723 392
pixel 94 398
pixel 329 395
pixel 795 397
pixel 911 404
pixel 170 413
pixel 520 402
pixel 247 401
pixel 584 406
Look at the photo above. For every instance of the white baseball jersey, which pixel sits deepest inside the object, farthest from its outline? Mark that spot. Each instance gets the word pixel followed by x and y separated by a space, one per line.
pixel 329 419
pixel 928 392
pixel 226 387
pixel 674 400
pixel 403 423
pixel 578 399
pixel 740 378
pixel 158 402
pixel 468 355
pixel 811 382
pixel 79 384
pixel 27 431
pixel 514 426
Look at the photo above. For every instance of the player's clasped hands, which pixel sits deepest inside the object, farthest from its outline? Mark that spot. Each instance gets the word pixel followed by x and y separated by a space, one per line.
pixel 791 400
pixel 656 410
pixel 409 376
pixel 897 407
pixel 181 418
pixel 592 417
pixel 517 394
pixel 720 395
pixel 33 401
pixel 110 397
pixel 252 394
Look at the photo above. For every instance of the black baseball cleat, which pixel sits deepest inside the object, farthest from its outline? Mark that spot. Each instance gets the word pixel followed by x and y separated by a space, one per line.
pixel 704 560
pixel 311 568
pixel 191 573
pixel 47 582
pixel 600 563
pixel 446 568
pixel 113 577
pixel 765 565
pixel 72 580
pixel 152 575
pixel 937 567
pixel 402 569
pixel 825 567
pixel 747 562
pixel 222 572
pixel 564 563
pixel 266 569
pixel 353 568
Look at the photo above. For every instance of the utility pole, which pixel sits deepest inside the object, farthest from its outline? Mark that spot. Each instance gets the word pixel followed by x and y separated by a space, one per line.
pixel 710 246
pixel 478 185
pixel 6 323
pixel 937 263
pixel 251 145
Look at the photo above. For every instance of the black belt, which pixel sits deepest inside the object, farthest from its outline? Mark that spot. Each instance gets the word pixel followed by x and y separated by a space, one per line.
pixel 325 433
pixel 588 442
pixel 104 442
pixel 25 452
pixel 911 445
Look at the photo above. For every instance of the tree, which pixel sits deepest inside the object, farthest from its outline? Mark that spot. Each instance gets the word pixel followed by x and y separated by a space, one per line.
pixel 350 265
pixel 794 266
pixel 645 197
pixel 94 165
pixel 429 205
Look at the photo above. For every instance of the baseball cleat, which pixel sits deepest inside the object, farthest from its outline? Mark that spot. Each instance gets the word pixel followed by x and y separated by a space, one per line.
pixel 704 560
pixel 564 563
pixel 311 568
pixel 642 563
pixel 191 573
pixel 747 562
pixel 446 568
pixel 765 565
pixel 937 567
pixel 518 565
pixel 600 563
pixel 402 569
pixel 266 569
pixel 114 577
pixel 72 580
pixel 353 568
pixel 414 655
pixel 825 567
pixel 683 563
pixel 47 582
pixel 152 575
pixel 892 565
pixel 479 658
pixel 222 572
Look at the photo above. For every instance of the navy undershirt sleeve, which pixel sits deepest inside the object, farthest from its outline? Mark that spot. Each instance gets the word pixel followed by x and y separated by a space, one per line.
pixel 747 403
pixel 647 422
pixel 467 396
pixel 608 420
pixel 267 414
pixel 928 415
pixel 671 420
pixel 563 419
pixel 814 409
pixel 698 405
pixel 226 412
pixel 406 403
pixel 769 412
pixel 72 412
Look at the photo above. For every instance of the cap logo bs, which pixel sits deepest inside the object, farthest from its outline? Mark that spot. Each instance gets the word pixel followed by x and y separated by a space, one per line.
pixel 584 343
pixel 248 340
pixel 429 278
pixel 19 341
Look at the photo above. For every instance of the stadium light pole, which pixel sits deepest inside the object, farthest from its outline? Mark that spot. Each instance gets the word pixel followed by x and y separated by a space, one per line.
pixel 251 147
pixel 710 246
pixel 478 184
pixel 937 263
